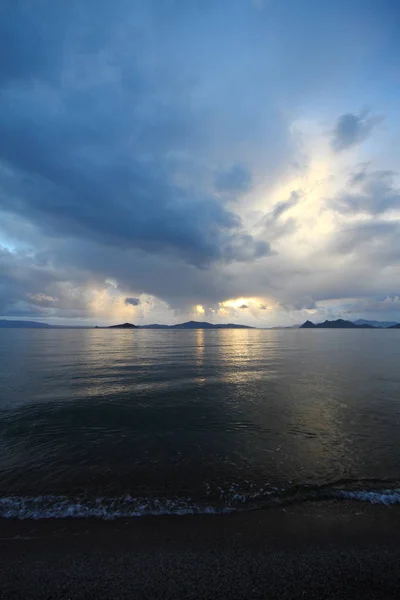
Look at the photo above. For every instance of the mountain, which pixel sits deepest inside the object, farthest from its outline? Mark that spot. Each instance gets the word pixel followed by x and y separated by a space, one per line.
pixel 193 325
pixel 187 325
pixel 205 325
pixel 123 326
pixel 233 326
pixel 397 326
pixel 297 326
pixel 308 325
pixel 6 324
pixel 338 324
pixel 375 323
pixel 154 326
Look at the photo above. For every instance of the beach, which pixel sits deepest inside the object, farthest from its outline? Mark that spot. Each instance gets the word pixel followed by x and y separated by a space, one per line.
pixel 309 550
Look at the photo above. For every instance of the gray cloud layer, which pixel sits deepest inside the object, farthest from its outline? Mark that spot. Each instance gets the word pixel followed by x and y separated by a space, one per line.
pixel 371 192
pixel 132 301
pixel 235 180
pixel 90 143
pixel 130 130
pixel 352 129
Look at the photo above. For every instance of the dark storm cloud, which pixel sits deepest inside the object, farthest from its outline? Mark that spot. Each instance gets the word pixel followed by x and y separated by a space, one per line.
pixel 236 180
pixel 179 283
pixel 300 303
pixel 28 48
pixel 132 301
pixel 127 127
pixel 91 153
pixel 371 192
pixel 352 129
pixel 132 205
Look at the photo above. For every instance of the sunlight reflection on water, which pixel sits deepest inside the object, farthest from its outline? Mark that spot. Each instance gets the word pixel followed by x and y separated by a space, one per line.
pixel 180 410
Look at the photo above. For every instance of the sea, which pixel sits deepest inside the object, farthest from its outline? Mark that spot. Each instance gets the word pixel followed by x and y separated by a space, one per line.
pixel 124 423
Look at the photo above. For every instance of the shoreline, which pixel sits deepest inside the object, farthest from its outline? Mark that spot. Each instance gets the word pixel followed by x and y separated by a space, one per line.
pixel 314 550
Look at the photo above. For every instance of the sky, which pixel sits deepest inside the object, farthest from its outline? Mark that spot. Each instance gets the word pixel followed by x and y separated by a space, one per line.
pixel 220 160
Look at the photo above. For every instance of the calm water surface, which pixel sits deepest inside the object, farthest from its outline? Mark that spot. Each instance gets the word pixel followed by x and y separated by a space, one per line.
pixel 109 422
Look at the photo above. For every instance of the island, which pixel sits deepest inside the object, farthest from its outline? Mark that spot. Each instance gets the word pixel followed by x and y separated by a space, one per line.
pixel 187 325
pixel 337 324
pixel 123 326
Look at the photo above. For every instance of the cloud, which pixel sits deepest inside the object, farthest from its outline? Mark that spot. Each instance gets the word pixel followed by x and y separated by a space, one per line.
pixel 281 207
pixel 236 180
pixel 351 129
pixel 31 286
pixel 376 241
pixel 377 306
pixel 42 299
pixel 371 192
pixel 114 205
pixel 123 139
pixel 132 301
pixel 97 156
pixel 272 223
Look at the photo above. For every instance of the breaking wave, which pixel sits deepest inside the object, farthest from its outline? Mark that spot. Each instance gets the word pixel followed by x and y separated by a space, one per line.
pixel 384 492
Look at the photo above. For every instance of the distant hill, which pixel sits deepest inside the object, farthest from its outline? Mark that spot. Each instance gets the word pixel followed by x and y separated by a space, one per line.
pixel 233 326
pixel 123 326
pixel 193 325
pixel 154 326
pixel 397 326
pixel 338 324
pixel 8 324
pixel 308 325
pixel 297 326
pixel 187 325
pixel 205 325
pixel 375 323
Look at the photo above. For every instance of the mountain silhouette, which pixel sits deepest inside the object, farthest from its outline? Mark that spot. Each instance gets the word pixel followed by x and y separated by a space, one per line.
pixel 123 326
pixel 382 324
pixel 187 325
pixel 8 324
pixel 338 324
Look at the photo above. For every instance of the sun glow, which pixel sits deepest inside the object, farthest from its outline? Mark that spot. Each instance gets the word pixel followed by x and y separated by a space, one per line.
pixel 245 304
pixel 237 303
pixel 107 304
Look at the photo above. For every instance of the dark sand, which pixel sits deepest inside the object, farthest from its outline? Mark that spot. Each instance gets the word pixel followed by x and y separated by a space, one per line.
pixel 315 550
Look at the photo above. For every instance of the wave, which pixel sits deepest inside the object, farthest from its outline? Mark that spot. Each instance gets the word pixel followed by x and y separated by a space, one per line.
pixel 383 492
pixel 62 507
pixel 386 497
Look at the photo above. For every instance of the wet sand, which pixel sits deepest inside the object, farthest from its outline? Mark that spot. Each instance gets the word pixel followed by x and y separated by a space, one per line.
pixel 312 550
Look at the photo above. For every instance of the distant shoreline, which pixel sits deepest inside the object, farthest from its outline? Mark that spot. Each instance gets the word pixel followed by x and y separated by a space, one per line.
pixel 196 325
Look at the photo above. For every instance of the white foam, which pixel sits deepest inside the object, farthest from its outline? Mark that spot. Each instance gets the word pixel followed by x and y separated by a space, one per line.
pixel 386 497
pixel 61 507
